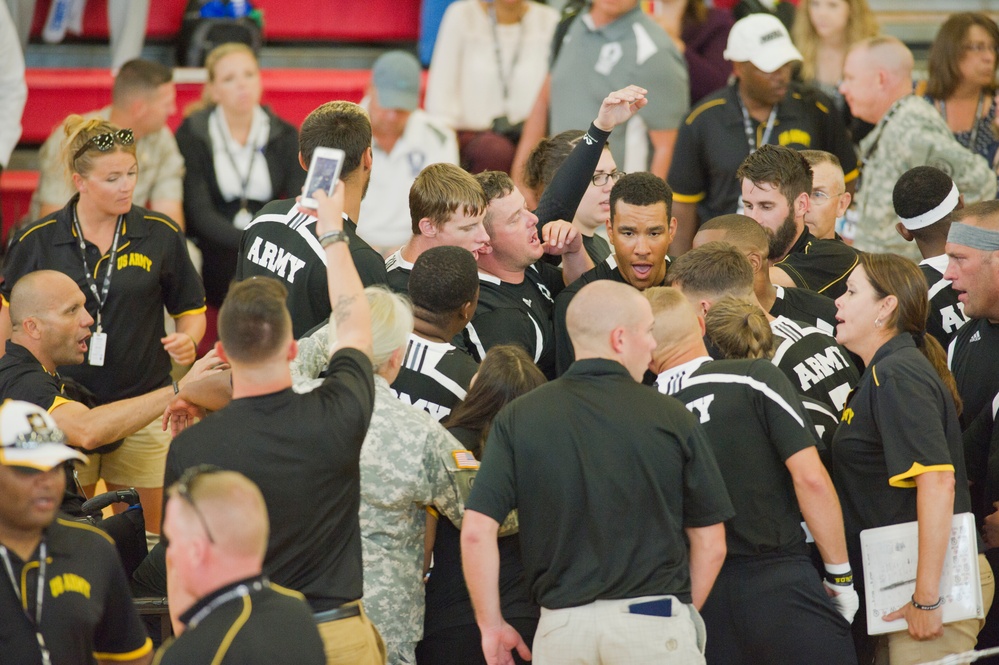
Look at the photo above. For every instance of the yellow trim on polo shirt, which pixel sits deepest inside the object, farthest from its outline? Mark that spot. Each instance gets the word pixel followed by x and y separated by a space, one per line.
pixel 702 108
pixel 432 512
pixel 917 469
pixel 874 373
pixel 4 301
pixel 24 579
pixel 287 592
pixel 168 223
pixel 85 527
pixel 236 626
pixel 856 260
pixel 130 655
pixel 30 231
pixel 689 198
pixel 852 175
pixel 189 312
pixel 59 401
pixel 822 107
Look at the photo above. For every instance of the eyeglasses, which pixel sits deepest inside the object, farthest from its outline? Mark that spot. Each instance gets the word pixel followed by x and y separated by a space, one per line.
pixel 821 198
pixel 105 142
pixel 980 47
pixel 186 484
pixel 600 179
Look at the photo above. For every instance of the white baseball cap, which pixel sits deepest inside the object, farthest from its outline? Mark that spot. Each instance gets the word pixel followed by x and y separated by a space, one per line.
pixel 762 40
pixel 30 438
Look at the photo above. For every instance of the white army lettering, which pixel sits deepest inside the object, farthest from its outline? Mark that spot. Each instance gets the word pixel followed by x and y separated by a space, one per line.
pixel 700 407
pixel 275 259
pixel 824 364
pixel 436 410
pixel 952 317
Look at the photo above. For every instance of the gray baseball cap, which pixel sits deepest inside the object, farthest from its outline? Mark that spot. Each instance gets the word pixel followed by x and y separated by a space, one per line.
pixel 396 77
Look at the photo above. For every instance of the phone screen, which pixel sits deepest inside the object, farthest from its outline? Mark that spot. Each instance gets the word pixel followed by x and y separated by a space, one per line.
pixel 323 175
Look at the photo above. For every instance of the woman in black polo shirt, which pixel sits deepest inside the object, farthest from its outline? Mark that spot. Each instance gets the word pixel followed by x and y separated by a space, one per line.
pixel 130 263
pixel 450 634
pixel 897 454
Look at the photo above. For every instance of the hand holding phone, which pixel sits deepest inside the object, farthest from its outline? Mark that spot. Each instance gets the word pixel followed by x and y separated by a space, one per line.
pixel 324 173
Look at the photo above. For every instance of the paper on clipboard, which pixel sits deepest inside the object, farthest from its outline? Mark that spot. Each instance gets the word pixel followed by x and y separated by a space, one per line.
pixel 890 554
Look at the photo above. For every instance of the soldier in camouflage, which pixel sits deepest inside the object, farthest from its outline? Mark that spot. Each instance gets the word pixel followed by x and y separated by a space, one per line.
pixel 908 132
pixel 410 465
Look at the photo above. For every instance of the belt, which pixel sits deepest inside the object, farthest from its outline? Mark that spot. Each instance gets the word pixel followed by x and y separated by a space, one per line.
pixel 337 613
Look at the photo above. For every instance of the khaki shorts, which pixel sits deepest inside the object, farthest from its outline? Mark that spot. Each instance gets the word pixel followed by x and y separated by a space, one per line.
pixel 353 641
pixel 139 462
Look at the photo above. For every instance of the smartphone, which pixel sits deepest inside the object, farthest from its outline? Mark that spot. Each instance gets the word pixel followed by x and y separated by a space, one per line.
pixel 324 171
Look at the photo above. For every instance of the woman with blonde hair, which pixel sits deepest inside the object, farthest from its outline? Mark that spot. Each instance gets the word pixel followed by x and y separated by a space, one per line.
pixel 239 156
pixel 129 263
pixel 824 31
pixel 737 328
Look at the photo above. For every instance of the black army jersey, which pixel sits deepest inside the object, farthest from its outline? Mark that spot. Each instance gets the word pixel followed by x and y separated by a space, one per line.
pixel 397 269
pixel 946 311
pixel 818 366
pixel 772 426
pixel 606 269
pixel 518 314
pixel 281 243
pixel 973 358
pixel 434 376
pixel 806 306
pixel 819 265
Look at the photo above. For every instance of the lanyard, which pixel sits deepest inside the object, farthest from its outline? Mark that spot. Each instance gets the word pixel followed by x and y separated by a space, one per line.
pixel 239 592
pixel 244 181
pixel 36 621
pixel 978 119
pixel 102 296
pixel 882 124
pixel 748 126
pixel 504 78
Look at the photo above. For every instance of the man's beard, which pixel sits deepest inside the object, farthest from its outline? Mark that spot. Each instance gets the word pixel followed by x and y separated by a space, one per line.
pixel 780 241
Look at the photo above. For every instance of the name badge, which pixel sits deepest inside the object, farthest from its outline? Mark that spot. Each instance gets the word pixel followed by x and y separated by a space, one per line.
pixel 98 345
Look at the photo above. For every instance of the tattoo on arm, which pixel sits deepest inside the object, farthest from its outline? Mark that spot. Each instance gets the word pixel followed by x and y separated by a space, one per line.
pixel 342 308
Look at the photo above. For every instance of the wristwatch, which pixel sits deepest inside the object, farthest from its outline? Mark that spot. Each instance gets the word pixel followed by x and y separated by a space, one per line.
pixel 327 239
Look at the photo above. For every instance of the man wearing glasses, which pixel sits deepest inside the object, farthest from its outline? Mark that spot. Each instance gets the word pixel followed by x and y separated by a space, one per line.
pixel 63 594
pixel 223 607
pixel 776 184
pixel 641 228
pixel 829 199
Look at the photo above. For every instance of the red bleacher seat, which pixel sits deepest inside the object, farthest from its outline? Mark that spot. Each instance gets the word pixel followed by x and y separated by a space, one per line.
pixel 16 188
pixel 301 20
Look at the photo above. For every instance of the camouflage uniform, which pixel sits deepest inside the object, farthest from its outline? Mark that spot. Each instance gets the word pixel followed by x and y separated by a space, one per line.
pixel 312 358
pixel 408 462
pixel 913 135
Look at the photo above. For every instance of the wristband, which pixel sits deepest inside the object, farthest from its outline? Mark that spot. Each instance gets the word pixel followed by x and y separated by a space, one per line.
pixel 839 574
pixel 927 608
pixel 327 239
pixel 176 388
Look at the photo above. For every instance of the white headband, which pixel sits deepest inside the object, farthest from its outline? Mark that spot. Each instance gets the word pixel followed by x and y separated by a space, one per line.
pixel 936 214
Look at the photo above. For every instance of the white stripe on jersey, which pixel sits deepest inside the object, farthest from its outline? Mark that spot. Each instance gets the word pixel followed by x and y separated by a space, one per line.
pixel 938 287
pixel 950 353
pixel 791 332
pixel 298 222
pixel 752 383
pixel 422 357
pixel 995 407
pixel 473 337
pixel 819 408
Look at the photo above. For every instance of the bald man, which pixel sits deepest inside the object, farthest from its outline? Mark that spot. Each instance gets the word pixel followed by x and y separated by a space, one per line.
pixel 51 329
pixel 772 469
pixel 608 478
pixel 750 238
pixel 908 132
pixel 223 608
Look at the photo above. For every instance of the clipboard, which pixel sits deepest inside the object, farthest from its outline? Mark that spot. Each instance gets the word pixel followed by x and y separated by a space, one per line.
pixel 890 555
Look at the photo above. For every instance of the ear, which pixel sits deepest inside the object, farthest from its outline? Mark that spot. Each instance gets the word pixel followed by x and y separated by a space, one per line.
pixel 844 202
pixel 219 349
pixel 801 205
pixel 367 159
pixel 758 261
pixel 610 231
pixel 889 305
pixel 902 231
pixel 301 162
pixel 292 350
pixel 671 229
pixel 79 182
pixel 395 360
pixel 31 328
pixel 704 306
pixel 427 228
pixel 466 311
pixel 617 340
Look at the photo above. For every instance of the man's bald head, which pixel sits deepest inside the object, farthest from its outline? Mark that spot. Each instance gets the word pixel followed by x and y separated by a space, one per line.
pixel 739 230
pixel 610 320
pixel 888 54
pixel 234 511
pixel 677 327
pixel 37 293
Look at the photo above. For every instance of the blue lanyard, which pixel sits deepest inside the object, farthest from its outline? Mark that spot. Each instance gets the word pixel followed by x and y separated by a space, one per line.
pixel 36 621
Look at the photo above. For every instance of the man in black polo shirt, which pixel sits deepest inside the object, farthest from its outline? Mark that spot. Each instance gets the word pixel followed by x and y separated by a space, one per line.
pixel 640 229
pixel 818 366
pixel 607 477
pixel 776 184
pixel 924 198
pixel 762 107
pixel 516 289
pixel 281 241
pixel 230 612
pixel 444 288
pixel 775 478
pixel 751 239
pixel 303 451
pixel 63 594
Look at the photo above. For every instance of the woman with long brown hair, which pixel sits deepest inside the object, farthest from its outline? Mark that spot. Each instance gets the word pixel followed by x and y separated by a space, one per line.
pixel 898 455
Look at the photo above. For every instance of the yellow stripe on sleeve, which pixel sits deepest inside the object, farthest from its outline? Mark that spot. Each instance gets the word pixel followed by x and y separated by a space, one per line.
pixel 907 479
pixel 131 655
pixel 852 175
pixel 189 312
pixel 689 198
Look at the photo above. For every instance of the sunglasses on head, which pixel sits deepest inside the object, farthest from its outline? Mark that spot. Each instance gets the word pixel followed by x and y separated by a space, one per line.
pixel 186 484
pixel 105 142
